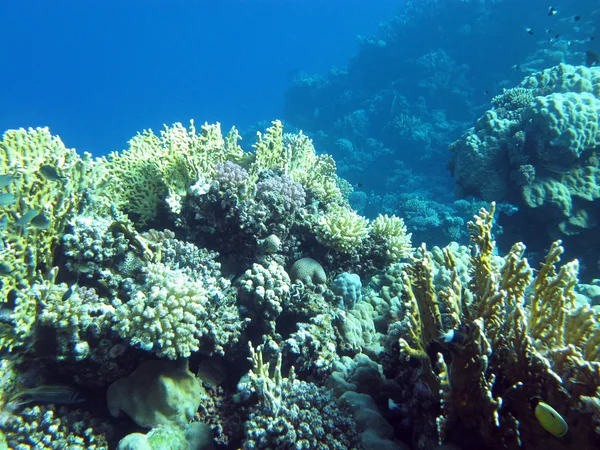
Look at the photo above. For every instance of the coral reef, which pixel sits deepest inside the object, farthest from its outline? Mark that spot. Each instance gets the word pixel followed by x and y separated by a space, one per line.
pixel 517 337
pixel 136 309
pixel 538 149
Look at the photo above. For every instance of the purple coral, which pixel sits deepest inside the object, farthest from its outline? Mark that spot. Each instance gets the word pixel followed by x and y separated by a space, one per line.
pixel 230 175
pixel 281 193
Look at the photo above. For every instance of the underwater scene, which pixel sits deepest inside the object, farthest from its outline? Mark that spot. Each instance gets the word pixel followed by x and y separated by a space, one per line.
pixel 260 224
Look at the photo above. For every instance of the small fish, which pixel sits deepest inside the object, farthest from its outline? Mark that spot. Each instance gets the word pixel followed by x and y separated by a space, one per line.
pixel 549 418
pixel 577 18
pixel 359 185
pixel 50 173
pixel 6 179
pixel 54 394
pixel 452 336
pixel 548 31
pixel 592 59
pixel 447 336
pixel 486 92
pixel 25 219
pixel 67 295
pixel 7 199
pixel 517 67
pixel 6 269
pixel 392 405
pixel 556 36
pixel 529 31
pixel 40 222
pixel 6 316
pixel 552 11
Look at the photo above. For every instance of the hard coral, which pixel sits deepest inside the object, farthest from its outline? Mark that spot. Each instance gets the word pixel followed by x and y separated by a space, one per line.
pixel 342 229
pixel 514 338
pixel 47 181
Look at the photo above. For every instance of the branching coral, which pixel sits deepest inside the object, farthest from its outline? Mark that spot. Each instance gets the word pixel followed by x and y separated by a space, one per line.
pixel 156 167
pixel 173 314
pixel 342 229
pixel 293 413
pixel 295 156
pixel 263 290
pixel 44 186
pixel 390 233
pixel 506 346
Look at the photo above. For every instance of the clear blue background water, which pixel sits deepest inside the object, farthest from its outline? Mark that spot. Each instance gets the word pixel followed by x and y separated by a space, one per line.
pixel 96 72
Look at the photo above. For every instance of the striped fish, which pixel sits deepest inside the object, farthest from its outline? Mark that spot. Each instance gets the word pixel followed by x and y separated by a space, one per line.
pixel 55 394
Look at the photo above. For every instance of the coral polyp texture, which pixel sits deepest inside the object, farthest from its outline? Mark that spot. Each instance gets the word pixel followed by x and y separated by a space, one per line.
pixel 538 149
pixel 143 278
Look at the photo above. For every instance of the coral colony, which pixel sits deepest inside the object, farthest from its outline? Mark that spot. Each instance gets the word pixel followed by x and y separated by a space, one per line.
pixel 187 294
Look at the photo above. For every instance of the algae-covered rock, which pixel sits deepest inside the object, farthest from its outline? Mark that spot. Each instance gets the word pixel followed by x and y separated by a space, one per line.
pixel 157 393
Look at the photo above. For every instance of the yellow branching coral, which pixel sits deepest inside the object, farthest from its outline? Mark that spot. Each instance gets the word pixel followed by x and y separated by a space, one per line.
pixel 43 185
pixel 269 387
pixel 391 233
pixel 156 167
pixel 295 156
pixel 517 337
pixel 342 229
pixel 270 152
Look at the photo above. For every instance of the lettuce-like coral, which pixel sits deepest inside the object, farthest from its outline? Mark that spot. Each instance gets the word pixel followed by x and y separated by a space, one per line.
pixel 155 168
pixel 46 183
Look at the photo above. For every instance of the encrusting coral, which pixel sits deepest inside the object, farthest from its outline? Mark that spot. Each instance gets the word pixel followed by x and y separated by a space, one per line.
pixel 515 339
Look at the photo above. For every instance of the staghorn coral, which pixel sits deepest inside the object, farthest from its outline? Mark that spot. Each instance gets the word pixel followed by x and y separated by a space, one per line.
pixel 520 337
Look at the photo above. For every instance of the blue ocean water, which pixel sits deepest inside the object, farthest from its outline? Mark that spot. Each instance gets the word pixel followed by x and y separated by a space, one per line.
pixel 402 254
pixel 98 72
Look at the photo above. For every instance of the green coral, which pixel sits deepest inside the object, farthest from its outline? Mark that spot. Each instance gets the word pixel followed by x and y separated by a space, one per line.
pixel 295 156
pixel 161 168
pixel 342 229
pixel 25 250
pixel 390 233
